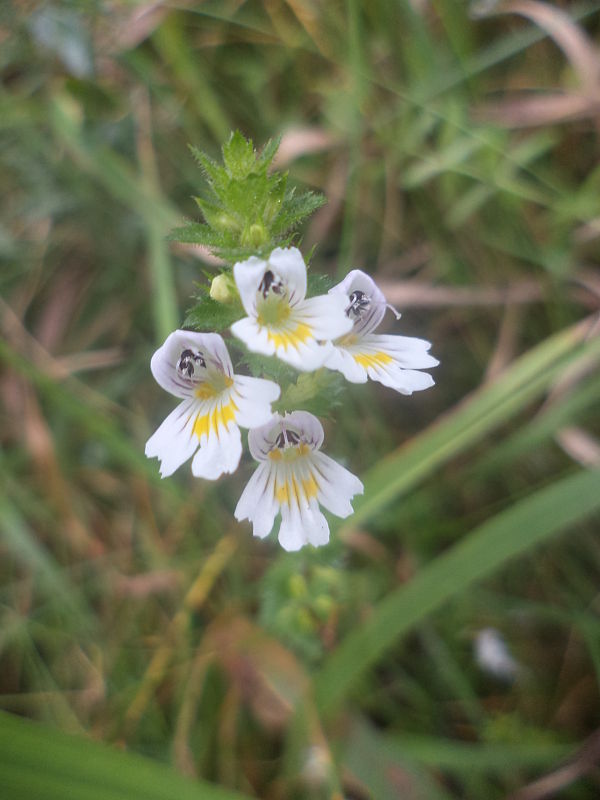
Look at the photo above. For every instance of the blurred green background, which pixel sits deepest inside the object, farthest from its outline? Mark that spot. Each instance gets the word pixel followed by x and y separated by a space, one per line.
pixel 457 145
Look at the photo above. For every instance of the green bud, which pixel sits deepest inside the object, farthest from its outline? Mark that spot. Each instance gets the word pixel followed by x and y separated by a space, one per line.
pixel 254 236
pixel 304 620
pixel 223 289
pixel 297 586
pixel 323 606
pixel 225 222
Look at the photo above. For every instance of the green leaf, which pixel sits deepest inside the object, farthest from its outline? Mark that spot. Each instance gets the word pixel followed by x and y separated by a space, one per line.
pixel 268 153
pixel 40 763
pixel 196 233
pixel 507 535
pixel 209 315
pixel 217 176
pixel 217 217
pixel 238 156
pixel 475 417
pixel 295 209
pixel 318 392
pixel 251 212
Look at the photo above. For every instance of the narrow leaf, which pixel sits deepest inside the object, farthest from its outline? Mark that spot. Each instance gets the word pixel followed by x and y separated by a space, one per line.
pixel 513 532
pixel 39 763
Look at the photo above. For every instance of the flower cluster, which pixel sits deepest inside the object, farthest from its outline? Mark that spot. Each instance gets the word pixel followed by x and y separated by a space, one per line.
pixel 333 331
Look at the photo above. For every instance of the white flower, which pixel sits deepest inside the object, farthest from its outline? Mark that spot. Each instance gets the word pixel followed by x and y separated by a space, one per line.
pixel 196 367
pixel 293 477
pixel 394 361
pixel 280 320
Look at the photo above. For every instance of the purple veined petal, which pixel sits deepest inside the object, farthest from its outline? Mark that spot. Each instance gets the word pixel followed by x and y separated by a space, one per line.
pixel 307 426
pixel 248 276
pixel 262 440
pixel 366 303
pixel 186 359
pixel 292 534
pixel 404 381
pixel 299 427
pixel 282 274
pixel 393 361
pixel 287 264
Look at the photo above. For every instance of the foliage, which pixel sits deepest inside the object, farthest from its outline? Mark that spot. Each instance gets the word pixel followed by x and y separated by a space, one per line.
pixel 132 611
pixel 249 212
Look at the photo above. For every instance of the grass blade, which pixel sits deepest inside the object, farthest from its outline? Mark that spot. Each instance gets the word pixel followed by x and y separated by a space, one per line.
pixel 509 534
pixel 39 763
pixel 470 421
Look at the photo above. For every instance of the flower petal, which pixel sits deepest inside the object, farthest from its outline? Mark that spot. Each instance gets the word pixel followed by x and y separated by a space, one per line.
pixel 366 317
pixel 261 440
pixel 393 361
pixel 336 485
pixel 408 351
pixel 288 264
pixel 293 341
pixel 257 502
pixel 292 533
pixel 325 316
pixel 253 398
pixel 219 452
pixel 174 441
pixel 186 359
pixel 342 360
pixel 285 265
pixel 307 425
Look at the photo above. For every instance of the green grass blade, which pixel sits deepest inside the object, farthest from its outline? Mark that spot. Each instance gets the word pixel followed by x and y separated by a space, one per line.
pixel 509 534
pixel 39 763
pixel 469 422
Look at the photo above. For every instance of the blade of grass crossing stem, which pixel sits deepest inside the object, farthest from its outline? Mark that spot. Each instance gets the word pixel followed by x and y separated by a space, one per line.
pixel 140 196
pixel 164 300
pixel 96 421
pixel 509 534
pixel 40 763
pixel 470 421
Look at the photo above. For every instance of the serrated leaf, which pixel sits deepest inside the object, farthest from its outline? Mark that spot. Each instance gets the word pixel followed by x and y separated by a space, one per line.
pixel 318 392
pixel 208 315
pixel 276 196
pixel 250 212
pixel 218 217
pixel 268 153
pixel 196 233
pixel 216 175
pixel 295 209
pixel 238 156
pixel 318 284
pixel 261 366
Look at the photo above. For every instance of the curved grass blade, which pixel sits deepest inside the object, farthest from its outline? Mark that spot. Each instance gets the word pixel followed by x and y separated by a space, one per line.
pixel 482 412
pixel 39 763
pixel 507 535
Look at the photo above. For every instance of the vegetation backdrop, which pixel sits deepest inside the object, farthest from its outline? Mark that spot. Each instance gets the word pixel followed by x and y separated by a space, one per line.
pixel 457 146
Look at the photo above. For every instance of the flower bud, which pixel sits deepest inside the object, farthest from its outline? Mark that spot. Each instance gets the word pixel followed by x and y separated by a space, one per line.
pixel 222 289
pixel 254 235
